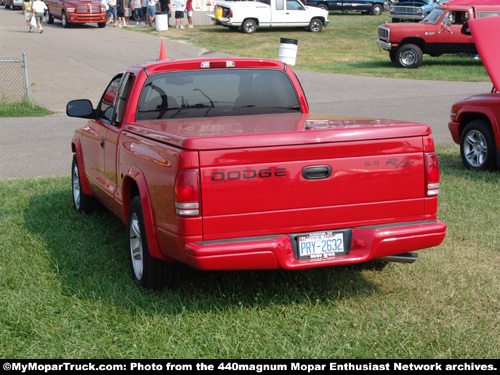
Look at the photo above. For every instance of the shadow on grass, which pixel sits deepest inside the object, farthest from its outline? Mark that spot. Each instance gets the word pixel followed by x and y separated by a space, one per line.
pixel 89 253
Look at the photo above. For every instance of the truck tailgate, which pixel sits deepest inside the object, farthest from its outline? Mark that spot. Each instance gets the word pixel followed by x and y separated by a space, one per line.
pixel 331 175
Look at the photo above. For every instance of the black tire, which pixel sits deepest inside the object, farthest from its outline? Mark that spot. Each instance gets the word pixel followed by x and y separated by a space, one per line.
pixel 249 26
pixel 409 56
pixel 50 19
pixel 377 10
pixel 392 56
pixel 477 146
pixel 64 20
pixel 101 24
pixel 315 26
pixel 323 6
pixel 82 202
pixel 147 272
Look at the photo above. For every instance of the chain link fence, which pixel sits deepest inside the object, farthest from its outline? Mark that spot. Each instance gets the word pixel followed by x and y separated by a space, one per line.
pixel 14 85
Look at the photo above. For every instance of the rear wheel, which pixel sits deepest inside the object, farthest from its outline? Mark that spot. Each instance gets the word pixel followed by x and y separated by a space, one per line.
pixel 377 10
pixel 249 26
pixel 50 19
pixel 409 56
pixel 147 271
pixel 477 146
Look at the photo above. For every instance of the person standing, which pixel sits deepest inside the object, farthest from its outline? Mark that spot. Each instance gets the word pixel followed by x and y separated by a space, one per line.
pixel 152 11
pixel 112 14
pixel 39 8
pixel 179 7
pixel 120 12
pixel 165 8
pixel 28 13
pixel 137 12
pixel 189 11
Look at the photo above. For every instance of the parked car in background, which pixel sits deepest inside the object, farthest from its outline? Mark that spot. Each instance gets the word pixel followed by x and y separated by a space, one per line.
pixel 475 121
pixel 413 10
pixel 439 33
pixel 247 16
pixel 375 7
pixel 76 12
pixel 12 4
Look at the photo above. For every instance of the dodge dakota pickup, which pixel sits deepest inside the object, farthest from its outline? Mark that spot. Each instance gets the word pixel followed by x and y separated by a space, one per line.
pixel 475 121
pixel 218 164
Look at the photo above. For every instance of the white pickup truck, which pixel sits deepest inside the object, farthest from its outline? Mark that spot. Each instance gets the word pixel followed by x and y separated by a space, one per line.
pixel 249 15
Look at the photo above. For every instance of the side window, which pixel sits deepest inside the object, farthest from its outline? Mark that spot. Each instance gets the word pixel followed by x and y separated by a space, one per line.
pixel 121 98
pixel 105 111
pixel 293 5
pixel 280 4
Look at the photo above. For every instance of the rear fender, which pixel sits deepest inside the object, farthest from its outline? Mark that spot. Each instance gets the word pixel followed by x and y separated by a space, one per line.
pixel 136 175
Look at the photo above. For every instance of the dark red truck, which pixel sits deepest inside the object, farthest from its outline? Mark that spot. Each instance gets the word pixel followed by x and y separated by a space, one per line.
pixel 218 164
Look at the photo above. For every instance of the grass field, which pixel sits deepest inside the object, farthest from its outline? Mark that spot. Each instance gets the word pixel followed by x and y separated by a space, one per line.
pixel 66 291
pixel 348 46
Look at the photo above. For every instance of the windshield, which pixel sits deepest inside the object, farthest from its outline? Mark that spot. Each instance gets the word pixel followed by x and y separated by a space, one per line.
pixel 434 16
pixel 217 92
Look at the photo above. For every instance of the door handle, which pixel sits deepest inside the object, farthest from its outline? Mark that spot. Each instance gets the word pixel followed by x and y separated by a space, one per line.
pixel 102 142
pixel 317 172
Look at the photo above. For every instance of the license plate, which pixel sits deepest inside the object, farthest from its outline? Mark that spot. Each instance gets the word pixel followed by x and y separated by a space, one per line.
pixel 320 245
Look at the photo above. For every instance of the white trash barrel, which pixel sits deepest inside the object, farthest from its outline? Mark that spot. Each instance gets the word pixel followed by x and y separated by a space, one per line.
pixel 161 22
pixel 288 51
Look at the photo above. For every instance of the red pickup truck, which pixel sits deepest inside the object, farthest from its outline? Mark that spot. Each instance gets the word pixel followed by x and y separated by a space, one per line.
pixel 475 121
pixel 439 33
pixel 219 165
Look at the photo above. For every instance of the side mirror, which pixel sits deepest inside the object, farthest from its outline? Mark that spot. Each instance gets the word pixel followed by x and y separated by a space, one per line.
pixel 80 108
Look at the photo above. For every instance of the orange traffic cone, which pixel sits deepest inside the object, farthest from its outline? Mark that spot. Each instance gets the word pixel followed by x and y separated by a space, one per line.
pixel 163 55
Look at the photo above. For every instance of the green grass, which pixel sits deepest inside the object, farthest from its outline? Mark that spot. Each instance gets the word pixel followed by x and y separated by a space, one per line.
pixel 347 46
pixel 22 109
pixel 66 291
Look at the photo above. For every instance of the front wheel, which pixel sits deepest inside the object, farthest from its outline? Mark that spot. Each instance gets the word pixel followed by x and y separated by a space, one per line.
pixel 477 146
pixel 82 202
pixel 147 272
pixel 64 20
pixel 409 56
pixel 249 26
pixel 315 25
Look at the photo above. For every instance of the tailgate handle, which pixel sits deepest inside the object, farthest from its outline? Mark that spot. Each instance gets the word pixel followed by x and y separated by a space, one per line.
pixel 317 172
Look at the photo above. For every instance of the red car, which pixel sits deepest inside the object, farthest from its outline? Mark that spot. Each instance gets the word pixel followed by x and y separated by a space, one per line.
pixel 475 121
pixel 76 12
pixel 219 165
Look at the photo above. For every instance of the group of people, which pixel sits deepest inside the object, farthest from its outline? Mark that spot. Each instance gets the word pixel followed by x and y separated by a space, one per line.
pixel 34 10
pixel 144 11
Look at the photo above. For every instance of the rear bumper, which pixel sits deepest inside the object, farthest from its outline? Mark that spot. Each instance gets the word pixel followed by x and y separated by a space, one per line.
pixel 276 251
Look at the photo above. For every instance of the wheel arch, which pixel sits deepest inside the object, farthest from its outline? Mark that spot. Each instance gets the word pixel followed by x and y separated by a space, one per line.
pixel 77 150
pixel 468 114
pixel 135 184
pixel 422 44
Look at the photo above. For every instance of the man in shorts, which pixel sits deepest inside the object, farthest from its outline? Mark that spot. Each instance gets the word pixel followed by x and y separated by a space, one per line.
pixel 39 9
pixel 179 6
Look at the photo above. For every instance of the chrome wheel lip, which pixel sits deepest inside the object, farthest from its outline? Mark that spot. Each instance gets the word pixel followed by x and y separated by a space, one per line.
pixel 475 148
pixel 136 247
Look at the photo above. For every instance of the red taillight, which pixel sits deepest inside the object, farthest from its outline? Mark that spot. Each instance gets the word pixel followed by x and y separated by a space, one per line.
pixel 230 13
pixel 187 193
pixel 432 174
